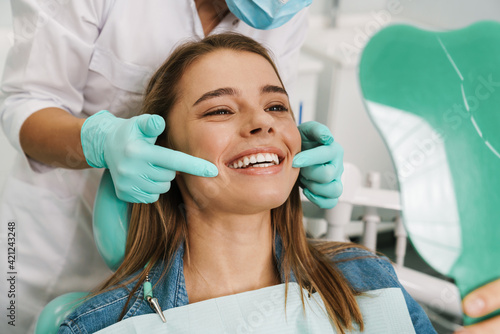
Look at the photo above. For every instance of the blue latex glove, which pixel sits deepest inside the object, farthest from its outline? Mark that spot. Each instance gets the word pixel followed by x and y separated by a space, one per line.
pixel 321 165
pixel 140 170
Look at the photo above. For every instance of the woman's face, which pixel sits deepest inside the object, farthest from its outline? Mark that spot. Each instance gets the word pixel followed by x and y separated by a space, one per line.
pixel 233 111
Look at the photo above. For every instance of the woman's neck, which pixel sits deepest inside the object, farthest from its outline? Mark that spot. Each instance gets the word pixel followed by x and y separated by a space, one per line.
pixel 228 254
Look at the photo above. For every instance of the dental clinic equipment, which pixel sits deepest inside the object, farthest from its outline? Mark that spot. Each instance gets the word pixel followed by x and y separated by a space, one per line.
pixel 153 302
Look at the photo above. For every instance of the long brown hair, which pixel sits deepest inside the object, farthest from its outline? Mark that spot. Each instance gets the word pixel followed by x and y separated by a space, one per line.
pixel 156 230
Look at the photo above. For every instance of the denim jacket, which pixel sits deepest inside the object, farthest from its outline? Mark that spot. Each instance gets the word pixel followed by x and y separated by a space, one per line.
pixel 362 269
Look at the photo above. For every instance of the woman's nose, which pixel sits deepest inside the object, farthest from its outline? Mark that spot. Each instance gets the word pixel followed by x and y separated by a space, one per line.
pixel 259 122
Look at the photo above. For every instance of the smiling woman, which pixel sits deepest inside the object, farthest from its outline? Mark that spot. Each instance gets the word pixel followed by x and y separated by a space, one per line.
pixel 222 100
pixel 244 111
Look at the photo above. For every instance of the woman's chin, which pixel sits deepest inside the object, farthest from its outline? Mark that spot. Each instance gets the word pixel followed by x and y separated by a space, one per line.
pixel 242 194
pixel 258 202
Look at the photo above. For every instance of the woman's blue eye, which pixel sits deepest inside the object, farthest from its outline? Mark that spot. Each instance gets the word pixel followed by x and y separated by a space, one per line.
pixel 277 107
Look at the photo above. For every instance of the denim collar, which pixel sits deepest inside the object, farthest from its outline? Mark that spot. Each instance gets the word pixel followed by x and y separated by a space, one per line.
pixel 170 290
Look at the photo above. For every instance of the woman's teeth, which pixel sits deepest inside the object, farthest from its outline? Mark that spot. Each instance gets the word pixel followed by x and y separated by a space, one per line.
pixel 256 160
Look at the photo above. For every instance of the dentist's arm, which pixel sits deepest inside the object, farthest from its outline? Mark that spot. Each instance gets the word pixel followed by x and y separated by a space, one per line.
pixel 52 136
pixel 481 302
pixel 321 165
pixel 140 170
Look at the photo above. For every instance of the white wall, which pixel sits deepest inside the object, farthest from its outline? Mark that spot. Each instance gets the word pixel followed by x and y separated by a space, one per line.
pixel 346 6
pixel 447 14
pixel 5 13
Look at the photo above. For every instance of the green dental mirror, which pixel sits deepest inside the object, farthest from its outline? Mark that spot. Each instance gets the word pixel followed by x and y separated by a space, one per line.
pixel 435 99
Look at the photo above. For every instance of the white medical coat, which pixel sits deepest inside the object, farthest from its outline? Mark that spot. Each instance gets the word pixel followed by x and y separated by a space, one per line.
pixel 85 56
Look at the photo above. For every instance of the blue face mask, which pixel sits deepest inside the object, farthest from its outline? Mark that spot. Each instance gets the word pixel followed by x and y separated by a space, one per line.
pixel 266 14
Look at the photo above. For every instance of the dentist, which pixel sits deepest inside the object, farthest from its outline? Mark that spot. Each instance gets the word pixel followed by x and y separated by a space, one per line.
pixel 72 61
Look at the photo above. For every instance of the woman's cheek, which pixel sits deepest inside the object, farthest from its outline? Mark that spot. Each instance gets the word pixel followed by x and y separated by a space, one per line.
pixel 195 142
pixel 293 139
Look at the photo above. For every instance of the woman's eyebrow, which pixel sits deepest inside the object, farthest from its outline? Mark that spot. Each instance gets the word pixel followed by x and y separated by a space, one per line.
pixel 231 91
pixel 273 89
pixel 216 93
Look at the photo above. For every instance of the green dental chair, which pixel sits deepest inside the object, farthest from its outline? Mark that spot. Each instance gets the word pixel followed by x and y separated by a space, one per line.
pixel 110 225
pixel 435 99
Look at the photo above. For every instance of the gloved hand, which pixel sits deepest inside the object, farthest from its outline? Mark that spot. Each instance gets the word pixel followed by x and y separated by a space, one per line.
pixel 140 170
pixel 321 165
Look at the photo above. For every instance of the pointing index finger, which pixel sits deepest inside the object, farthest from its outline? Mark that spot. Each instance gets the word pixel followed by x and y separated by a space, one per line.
pixel 182 162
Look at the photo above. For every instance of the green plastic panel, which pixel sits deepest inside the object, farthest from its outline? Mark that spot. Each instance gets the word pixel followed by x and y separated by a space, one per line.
pixel 435 99
pixel 110 223
pixel 56 311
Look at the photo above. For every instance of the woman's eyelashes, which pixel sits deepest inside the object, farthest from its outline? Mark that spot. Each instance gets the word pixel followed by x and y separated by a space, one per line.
pixel 277 107
pixel 218 112
pixel 224 111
